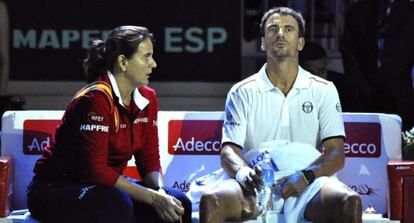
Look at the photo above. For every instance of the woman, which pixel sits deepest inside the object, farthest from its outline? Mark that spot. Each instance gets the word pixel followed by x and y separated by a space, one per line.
pixel 108 121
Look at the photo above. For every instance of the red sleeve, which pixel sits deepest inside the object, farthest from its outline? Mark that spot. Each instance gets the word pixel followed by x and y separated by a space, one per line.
pixel 148 159
pixel 95 122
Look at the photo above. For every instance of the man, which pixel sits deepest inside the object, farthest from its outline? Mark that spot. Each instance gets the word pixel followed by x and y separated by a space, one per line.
pixel 282 101
pixel 314 59
pixel 378 52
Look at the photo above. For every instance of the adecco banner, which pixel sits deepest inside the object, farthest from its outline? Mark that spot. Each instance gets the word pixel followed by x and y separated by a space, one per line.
pixel 363 139
pixel 189 148
pixel 183 140
pixel 372 140
pixel 189 143
pixel 23 136
pixel 37 135
pixel 195 40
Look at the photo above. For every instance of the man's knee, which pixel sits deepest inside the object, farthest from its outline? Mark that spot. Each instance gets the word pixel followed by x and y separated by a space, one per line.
pixel 240 209
pixel 351 206
pixel 346 208
pixel 209 201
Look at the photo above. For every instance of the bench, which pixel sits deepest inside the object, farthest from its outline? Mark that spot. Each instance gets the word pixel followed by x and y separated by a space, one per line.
pixel 193 138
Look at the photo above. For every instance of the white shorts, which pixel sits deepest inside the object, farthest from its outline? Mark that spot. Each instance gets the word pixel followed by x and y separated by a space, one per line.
pixel 288 158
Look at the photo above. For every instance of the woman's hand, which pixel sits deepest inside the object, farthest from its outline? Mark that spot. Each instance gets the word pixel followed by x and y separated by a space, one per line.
pixel 167 207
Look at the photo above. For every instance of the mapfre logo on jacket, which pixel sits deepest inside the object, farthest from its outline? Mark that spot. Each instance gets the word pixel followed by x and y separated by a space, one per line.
pixel 195 137
pixel 94 128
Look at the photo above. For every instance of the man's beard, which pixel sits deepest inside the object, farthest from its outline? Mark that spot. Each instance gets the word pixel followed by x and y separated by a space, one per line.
pixel 281 53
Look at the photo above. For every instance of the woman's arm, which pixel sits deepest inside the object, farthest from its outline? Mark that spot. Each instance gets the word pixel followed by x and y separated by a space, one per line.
pixel 167 207
pixel 154 179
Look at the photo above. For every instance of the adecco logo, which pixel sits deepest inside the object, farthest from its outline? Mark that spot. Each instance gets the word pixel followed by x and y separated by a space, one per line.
pixel 183 186
pixel 363 139
pixel 196 137
pixel 38 134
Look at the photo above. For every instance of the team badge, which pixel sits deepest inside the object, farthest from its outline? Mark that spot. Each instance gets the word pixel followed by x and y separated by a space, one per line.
pixel 93 117
pixel 307 107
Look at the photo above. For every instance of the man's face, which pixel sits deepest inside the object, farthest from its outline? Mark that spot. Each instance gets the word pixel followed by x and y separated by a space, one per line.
pixel 282 36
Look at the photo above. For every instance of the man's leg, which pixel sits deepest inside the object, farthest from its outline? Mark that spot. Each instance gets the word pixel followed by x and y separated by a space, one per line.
pixel 227 202
pixel 335 202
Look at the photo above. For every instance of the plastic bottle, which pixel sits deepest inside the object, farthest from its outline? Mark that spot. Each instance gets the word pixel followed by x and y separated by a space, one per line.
pixel 264 195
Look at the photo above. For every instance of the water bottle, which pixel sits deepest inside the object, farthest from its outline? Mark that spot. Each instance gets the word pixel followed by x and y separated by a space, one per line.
pixel 265 193
pixel 268 172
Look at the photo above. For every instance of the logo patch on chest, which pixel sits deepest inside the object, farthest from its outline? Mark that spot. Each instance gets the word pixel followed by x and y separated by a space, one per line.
pixel 141 120
pixel 307 107
pixel 94 128
pixel 93 117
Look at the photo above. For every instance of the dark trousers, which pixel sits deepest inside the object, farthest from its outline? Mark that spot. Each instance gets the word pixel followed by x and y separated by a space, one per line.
pixel 63 201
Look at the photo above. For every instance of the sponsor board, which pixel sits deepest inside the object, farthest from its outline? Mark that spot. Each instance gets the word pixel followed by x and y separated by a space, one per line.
pixel 37 135
pixel 362 140
pixel 194 137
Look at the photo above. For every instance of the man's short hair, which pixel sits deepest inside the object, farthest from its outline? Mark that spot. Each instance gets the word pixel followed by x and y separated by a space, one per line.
pixel 284 11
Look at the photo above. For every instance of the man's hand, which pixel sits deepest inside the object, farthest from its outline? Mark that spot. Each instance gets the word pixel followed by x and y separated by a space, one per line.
pixel 292 185
pixel 250 179
pixel 167 207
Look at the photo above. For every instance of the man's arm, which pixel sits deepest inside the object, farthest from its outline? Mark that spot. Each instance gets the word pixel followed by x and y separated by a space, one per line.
pixel 332 159
pixel 231 160
pixel 236 167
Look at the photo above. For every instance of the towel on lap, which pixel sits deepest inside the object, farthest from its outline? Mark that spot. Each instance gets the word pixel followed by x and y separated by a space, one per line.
pixel 287 158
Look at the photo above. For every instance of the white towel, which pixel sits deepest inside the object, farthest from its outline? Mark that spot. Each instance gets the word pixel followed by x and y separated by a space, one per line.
pixel 287 159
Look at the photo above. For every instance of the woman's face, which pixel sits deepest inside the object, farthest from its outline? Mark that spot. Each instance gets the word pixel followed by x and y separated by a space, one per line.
pixel 139 67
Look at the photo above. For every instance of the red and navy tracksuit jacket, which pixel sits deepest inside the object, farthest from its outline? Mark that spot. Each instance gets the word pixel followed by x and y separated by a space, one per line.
pixel 97 136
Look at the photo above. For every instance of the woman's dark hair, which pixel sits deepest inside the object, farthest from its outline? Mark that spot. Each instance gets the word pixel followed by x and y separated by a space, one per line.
pixel 102 56
pixel 284 11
